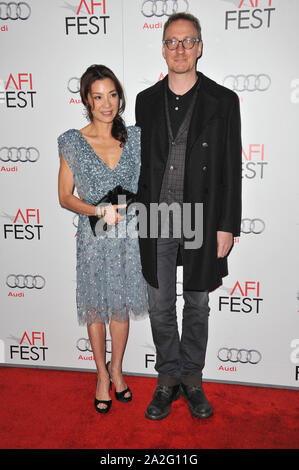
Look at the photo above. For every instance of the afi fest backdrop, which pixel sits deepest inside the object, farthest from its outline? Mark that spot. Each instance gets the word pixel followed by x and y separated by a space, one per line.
pixel 250 46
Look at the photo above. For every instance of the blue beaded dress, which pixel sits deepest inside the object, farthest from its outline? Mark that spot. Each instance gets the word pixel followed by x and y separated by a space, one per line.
pixel 110 284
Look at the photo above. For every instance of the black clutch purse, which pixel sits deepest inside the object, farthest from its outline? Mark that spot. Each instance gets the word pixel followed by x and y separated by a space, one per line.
pixel 111 198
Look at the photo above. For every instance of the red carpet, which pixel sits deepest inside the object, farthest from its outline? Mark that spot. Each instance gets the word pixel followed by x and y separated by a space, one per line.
pixel 50 409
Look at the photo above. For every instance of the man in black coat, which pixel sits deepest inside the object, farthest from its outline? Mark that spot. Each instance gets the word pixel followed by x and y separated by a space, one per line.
pixel 191 160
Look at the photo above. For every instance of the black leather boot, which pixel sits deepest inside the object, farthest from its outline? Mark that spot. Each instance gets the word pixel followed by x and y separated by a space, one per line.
pixel 163 396
pixel 198 403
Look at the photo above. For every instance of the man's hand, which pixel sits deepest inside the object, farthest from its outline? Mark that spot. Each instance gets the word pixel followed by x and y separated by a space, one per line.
pixel 224 243
pixel 112 217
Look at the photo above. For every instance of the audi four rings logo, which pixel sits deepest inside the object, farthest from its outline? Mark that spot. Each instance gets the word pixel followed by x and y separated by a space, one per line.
pixel 255 226
pixel 73 85
pixel 19 154
pixel 14 11
pixel 25 281
pixel 160 8
pixel 250 82
pixel 245 356
pixel 83 345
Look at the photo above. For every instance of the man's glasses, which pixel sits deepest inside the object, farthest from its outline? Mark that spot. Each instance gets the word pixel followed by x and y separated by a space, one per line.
pixel 187 43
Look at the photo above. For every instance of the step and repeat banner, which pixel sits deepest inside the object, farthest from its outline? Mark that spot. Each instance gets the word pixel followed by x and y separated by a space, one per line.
pixel 251 47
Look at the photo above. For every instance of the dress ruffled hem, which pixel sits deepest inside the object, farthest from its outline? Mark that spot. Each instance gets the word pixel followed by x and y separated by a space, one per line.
pixel 100 315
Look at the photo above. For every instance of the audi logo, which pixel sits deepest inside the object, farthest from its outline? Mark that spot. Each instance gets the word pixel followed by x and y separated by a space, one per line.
pixel 250 82
pixel 255 226
pixel 245 356
pixel 25 281
pixel 83 345
pixel 19 154
pixel 14 11
pixel 73 85
pixel 161 8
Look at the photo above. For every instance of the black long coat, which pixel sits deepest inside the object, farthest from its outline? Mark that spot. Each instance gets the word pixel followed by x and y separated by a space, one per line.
pixel 212 175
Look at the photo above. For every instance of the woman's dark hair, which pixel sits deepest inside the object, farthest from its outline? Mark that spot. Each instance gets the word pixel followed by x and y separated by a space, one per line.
pixel 99 72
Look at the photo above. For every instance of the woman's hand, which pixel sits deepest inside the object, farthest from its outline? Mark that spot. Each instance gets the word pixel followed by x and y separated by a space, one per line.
pixel 112 217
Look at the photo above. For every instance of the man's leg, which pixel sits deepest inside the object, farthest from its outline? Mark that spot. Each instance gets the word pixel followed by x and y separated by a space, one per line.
pixel 162 312
pixel 193 351
pixel 194 336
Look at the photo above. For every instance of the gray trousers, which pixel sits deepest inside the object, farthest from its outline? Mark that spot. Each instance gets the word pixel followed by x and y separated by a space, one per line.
pixel 178 359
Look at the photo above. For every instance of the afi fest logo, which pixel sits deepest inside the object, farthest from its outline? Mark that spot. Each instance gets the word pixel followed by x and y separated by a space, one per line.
pixel 149 357
pixel 17 91
pixel 90 17
pixel 26 225
pixel 250 14
pixel 147 83
pixel 253 164
pixel 243 298
pixel 31 347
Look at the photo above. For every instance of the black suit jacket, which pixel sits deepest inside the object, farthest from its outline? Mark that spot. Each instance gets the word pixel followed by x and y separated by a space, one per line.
pixel 212 175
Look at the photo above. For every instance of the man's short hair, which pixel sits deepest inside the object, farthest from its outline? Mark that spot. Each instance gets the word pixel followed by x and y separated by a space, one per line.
pixel 183 16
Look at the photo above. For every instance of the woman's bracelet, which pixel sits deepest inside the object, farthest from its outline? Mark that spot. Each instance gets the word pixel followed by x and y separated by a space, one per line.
pixel 98 212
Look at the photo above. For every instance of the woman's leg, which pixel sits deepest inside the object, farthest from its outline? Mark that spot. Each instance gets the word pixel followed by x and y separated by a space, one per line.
pixel 119 331
pixel 97 337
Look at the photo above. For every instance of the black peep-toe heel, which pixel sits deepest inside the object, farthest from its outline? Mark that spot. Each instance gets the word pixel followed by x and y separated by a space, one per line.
pixel 120 396
pixel 105 402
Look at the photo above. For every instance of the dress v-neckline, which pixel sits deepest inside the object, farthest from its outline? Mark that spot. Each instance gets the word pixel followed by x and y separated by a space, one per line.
pixel 97 156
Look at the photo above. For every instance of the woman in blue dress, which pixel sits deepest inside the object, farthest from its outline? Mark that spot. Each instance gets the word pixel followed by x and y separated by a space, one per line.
pixel 110 284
